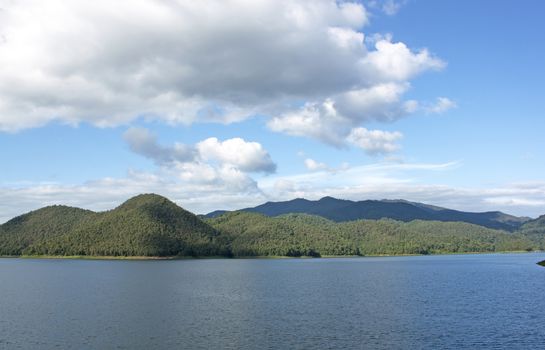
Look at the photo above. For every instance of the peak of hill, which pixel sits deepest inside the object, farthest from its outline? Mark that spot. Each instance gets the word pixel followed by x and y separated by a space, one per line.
pixel 346 210
pixel 146 199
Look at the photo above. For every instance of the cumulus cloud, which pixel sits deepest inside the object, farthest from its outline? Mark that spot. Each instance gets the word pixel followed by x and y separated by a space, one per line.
pixel 375 141
pixel 185 61
pixel 396 62
pixel 316 120
pixel 336 122
pixel 217 166
pixel 236 153
pixel 313 165
pixel 246 156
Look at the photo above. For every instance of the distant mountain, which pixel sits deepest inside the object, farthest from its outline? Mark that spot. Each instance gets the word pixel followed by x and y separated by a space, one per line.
pixel 340 210
pixel 147 225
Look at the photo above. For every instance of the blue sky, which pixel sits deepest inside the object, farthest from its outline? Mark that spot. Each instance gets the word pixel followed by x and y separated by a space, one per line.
pixel 227 104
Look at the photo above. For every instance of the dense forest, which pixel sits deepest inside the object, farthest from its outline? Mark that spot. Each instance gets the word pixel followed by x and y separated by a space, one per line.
pixel 252 234
pixel 151 225
pixel 146 225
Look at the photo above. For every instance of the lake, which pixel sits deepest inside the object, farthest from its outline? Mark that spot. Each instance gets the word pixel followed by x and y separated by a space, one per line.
pixel 422 302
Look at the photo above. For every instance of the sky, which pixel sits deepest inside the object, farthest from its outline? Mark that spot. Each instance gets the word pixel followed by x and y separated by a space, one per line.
pixel 226 104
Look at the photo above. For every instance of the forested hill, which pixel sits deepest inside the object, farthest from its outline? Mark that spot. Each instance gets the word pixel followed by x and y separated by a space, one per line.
pixel 535 230
pixel 146 225
pixel 151 225
pixel 345 210
pixel 253 234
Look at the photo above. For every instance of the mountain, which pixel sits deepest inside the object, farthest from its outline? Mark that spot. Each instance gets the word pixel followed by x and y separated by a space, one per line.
pixel 340 210
pixel 147 225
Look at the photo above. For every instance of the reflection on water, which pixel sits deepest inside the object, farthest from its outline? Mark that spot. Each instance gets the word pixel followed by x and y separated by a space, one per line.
pixel 493 301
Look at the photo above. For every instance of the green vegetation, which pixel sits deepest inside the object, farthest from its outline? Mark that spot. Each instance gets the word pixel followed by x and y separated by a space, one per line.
pixel 542 263
pixel 535 230
pixel 152 226
pixel 253 234
pixel 146 225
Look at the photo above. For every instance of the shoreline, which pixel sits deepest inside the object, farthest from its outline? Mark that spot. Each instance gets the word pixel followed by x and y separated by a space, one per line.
pixel 162 258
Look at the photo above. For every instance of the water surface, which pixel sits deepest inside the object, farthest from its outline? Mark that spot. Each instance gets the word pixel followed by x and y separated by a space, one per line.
pixel 428 302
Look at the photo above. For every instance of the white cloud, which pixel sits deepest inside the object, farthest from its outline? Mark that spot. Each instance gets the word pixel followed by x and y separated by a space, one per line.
pixel 313 165
pixel 316 120
pixel 381 102
pixel 211 166
pixel 333 120
pixel 108 63
pixel 441 105
pixel 396 62
pixel 375 141
pixel 375 181
pixel 246 156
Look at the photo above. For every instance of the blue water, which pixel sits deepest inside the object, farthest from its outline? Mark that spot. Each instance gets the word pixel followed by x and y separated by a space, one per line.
pixel 428 302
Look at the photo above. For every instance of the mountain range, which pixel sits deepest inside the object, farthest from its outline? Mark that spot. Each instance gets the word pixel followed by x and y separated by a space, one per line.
pixel 151 225
pixel 341 210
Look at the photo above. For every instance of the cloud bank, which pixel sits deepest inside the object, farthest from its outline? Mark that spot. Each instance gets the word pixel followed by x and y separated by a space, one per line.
pixel 376 181
pixel 109 63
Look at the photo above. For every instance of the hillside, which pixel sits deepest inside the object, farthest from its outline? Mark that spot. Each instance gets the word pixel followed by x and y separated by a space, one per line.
pixel 254 234
pixel 344 210
pixel 21 232
pixel 146 225
pixel 535 230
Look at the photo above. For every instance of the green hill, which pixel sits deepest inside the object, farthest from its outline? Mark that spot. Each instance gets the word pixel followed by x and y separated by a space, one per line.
pixel 535 230
pixel 40 225
pixel 146 225
pixel 253 234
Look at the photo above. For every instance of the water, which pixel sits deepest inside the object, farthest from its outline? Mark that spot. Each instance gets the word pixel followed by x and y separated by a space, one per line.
pixel 428 302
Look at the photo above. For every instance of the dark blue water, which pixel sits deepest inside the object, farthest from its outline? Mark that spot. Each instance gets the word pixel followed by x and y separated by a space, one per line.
pixel 429 302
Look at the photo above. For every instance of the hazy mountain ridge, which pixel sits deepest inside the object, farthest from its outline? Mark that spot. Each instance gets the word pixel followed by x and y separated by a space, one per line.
pixel 345 210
